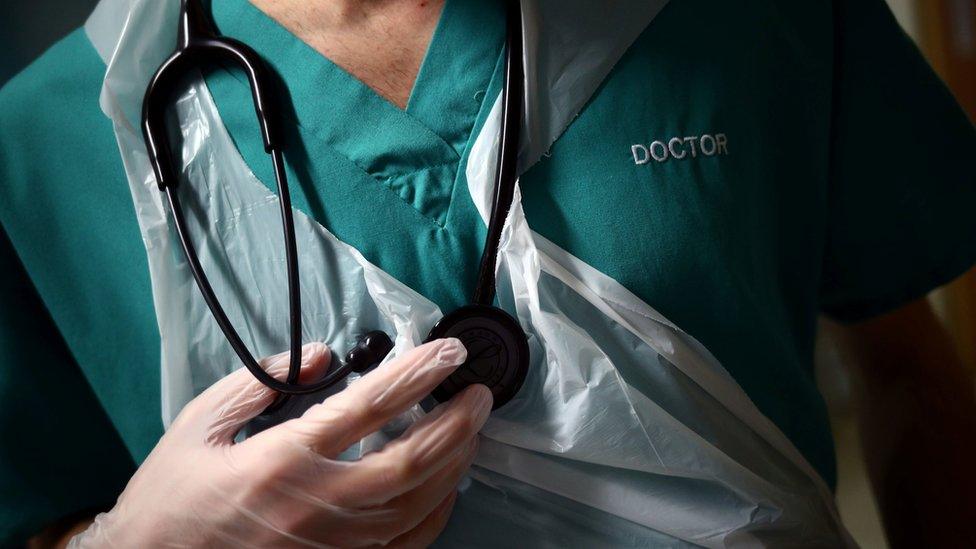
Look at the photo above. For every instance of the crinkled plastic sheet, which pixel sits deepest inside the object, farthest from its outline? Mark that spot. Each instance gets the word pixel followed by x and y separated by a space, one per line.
pixel 627 431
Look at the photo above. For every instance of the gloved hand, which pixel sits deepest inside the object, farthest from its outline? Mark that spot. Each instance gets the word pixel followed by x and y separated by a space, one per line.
pixel 283 486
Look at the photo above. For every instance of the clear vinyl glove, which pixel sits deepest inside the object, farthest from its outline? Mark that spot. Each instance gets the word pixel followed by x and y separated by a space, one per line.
pixel 283 487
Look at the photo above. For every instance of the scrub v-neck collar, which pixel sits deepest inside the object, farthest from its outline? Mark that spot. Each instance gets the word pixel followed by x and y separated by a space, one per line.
pixel 416 151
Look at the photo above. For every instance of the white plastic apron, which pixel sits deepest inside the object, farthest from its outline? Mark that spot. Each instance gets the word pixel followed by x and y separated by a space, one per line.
pixel 627 431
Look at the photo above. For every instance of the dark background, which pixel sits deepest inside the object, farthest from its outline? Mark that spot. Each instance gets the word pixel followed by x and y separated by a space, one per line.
pixel 28 27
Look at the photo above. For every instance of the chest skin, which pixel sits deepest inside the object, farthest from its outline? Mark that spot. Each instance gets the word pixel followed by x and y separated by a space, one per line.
pixel 380 43
pixel 726 245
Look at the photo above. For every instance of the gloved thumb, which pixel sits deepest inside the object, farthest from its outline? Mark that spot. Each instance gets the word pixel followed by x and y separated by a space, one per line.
pixel 230 403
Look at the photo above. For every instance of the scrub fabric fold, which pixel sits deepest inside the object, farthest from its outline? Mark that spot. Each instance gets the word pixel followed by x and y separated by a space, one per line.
pixel 627 431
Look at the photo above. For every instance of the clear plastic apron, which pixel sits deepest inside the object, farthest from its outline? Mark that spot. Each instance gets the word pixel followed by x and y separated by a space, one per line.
pixel 627 431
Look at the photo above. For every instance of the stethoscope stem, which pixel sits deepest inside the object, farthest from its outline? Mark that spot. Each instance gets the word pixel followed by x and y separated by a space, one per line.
pixel 291 260
pixel 506 170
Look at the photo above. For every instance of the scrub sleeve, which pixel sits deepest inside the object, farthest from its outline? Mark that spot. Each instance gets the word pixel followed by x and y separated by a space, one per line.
pixel 902 213
pixel 59 452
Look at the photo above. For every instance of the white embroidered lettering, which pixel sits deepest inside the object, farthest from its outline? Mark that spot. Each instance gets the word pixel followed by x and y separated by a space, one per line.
pixel 708 145
pixel 642 151
pixel 678 148
pixel 671 150
pixel 663 148
pixel 723 143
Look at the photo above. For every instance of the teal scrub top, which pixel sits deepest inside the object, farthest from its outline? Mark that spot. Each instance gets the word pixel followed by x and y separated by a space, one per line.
pixel 744 168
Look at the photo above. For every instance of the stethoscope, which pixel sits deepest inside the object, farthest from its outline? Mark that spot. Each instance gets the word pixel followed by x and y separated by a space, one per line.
pixel 498 351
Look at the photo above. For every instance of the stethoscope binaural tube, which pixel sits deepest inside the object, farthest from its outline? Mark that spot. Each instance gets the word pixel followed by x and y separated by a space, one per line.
pixel 497 345
pixel 377 343
pixel 199 44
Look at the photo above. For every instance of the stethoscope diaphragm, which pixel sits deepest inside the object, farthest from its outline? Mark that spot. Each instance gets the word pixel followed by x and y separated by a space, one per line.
pixel 498 352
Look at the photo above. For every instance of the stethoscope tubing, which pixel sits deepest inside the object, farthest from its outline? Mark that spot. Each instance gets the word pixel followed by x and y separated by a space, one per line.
pixel 198 42
pixel 506 173
pixel 290 385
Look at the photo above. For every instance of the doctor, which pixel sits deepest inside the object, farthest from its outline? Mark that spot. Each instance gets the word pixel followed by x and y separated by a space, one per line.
pixel 742 170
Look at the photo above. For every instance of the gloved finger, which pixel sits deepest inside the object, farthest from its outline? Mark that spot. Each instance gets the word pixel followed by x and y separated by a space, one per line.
pixel 416 504
pixel 427 531
pixel 423 450
pixel 237 398
pixel 383 523
pixel 311 511
pixel 369 403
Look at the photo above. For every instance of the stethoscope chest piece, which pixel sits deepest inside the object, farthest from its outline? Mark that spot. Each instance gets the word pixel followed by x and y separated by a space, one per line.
pixel 498 352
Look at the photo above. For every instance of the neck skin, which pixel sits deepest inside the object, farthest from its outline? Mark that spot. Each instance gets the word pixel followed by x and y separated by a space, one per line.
pixel 380 42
